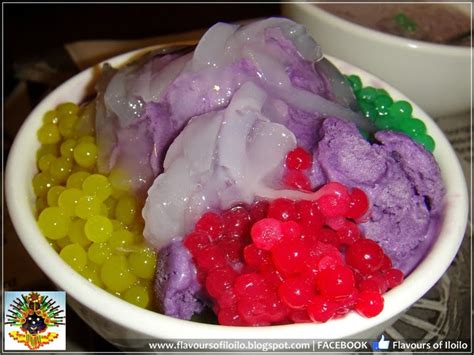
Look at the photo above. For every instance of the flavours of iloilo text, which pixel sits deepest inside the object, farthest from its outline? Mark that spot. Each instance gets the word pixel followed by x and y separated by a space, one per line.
pixel 235 178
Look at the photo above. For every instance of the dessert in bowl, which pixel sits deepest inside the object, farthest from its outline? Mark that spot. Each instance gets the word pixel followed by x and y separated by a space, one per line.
pixel 249 121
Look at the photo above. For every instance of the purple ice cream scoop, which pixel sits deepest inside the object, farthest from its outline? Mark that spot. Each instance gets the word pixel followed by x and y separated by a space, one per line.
pixel 176 286
pixel 402 180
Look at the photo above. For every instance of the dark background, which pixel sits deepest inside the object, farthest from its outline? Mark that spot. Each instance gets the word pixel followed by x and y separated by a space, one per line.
pixel 38 31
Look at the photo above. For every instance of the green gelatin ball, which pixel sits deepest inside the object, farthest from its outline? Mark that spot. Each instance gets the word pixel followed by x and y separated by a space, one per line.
pixel 413 127
pixel 382 92
pixel 368 110
pixel 401 109
pixel 75 256
pixel 382 103
pixel 54 223
pixel 355 82
pixel 367 93
pixel 426 141
pixel 387 123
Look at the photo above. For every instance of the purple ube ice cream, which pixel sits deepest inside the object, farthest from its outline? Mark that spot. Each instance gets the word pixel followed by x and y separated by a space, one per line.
pixel 176 285
pixel 212 128
pixel 401 179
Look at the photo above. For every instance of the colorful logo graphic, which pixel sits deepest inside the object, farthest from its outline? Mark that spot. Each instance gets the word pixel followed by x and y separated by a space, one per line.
pixel 35 320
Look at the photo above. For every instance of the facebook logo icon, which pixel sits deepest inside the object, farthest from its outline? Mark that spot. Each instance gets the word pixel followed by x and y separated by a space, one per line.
pixel 382 344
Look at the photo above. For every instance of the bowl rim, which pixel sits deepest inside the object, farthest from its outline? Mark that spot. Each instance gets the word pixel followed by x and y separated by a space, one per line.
pixel 145 322
pixel 379 36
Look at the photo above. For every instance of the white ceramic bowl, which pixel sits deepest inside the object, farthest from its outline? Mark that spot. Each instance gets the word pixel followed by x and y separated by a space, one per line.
pixel 120 322
pixel 437 77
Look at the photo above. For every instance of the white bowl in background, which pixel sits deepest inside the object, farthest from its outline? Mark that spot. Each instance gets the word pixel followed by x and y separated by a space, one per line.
pixel 436 77
pixel 120 322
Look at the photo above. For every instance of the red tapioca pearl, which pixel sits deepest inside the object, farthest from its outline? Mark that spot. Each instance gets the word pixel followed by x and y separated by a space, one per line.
pixel 358 205
pixel 252 286
pixel 271 275
pixel 259 210
pixel 334 200
pixel 365 255
pixel 299 159
pixel 343 305
pixel 254 311
pixel 291 230
pixel 358 277
pixel 297 179
pixel 227 298
pixel 210 258
pixel 232 248
pixel 320 309
pixel 196 241
pixel 329 262
pixel 337 282
pixel 386 263
pixel 335 223
pixel 320 249
pixel 211 224
pixel 236 221
pixel 374 282
pixel 266 233
pixel 296 292
pixel 255 257
pixel 299 316
pixel 219 280
pixel 290 257
pixel 230 316
pixel 369 304
pixel 394 277
pixel 282 209
pixel 277 309
pixel 349 233
pixel 309 214
pixel 328 236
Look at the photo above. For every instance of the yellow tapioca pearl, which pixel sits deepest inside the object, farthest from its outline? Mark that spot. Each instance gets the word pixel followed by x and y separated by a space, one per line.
pixel 98 229
pixel 115 274
pixel 75 256
pixel 53 223
pixel 53 195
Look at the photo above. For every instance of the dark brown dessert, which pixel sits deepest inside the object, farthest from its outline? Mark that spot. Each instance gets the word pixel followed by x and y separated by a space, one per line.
pixel 436 23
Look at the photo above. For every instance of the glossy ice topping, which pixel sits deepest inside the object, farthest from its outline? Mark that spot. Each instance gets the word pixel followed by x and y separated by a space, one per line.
pixel 142 108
